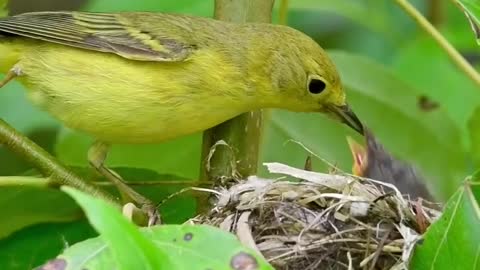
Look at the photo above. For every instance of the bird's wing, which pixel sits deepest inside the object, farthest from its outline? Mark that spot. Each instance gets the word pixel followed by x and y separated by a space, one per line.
pixel 104 32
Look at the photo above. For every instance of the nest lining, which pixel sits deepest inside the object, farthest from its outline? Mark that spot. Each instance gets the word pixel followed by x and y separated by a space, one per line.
pixel 321 221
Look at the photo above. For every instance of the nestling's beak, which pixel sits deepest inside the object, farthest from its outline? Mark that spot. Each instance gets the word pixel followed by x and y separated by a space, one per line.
pixel 347 116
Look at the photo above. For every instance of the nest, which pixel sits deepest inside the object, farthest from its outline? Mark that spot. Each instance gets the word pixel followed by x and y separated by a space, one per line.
pixel 307 220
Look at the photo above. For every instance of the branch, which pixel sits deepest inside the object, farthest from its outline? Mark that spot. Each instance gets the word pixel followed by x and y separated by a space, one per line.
pixel 48 166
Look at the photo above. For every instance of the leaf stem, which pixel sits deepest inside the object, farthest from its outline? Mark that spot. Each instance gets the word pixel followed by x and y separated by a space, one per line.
pixel 21 181
pixel 46 163
pixel 454 55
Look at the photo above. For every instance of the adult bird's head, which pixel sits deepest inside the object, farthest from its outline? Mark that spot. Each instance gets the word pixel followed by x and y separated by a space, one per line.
pixel 305 79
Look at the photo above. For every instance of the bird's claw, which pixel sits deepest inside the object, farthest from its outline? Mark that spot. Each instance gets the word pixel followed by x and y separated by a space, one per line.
pixel 153 214
pixel 147 215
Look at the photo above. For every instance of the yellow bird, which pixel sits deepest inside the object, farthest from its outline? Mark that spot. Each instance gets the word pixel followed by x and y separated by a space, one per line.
pixel 149 77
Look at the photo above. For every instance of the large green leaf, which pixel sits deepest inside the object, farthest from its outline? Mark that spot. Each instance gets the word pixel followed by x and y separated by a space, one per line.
pixel 474 131
pixel 388 105
pixel 3 8
pixel 121 245
pixel 177 160
pixel 453 242
pixel 21 114
pixel 194 7
pixel 28 118
pixel 127 246
pixel 159 187
pixel 286 132
pixel 31 201
pixel 188 247
pixel 35 245
pixel 178 157
pixel 471 8
pixel 25 205
pixel 423 64
pixel 356 11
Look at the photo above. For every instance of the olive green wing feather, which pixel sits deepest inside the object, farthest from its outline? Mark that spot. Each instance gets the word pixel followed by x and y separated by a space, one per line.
pixel 105 32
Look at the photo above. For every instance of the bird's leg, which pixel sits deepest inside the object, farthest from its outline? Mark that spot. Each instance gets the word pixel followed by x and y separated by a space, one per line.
pixel 96 157
pixel 11 74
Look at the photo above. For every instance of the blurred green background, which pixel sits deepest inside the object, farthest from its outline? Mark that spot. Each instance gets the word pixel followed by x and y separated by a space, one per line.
pixel 398 81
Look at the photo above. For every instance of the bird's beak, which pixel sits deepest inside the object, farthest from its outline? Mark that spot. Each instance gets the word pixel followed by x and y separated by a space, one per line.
pixel 347 116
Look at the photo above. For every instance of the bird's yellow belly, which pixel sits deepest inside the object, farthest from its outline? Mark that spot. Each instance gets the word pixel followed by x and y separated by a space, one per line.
pixel 123 101
pixel 126 123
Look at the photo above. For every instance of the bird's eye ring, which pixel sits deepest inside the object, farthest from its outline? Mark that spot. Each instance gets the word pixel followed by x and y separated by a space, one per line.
pixel 316 86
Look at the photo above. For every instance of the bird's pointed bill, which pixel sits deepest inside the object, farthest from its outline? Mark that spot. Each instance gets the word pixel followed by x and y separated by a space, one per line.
pixel 345 114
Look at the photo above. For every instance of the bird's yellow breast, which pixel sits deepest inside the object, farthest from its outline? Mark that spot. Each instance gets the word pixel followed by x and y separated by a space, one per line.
pixel 123 101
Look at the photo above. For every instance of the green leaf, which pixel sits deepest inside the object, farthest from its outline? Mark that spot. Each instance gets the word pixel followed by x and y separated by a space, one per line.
pixel 31 202
pixel 390 106
pixel 420 61
pixel 157 187
pixel 12 97
pixel 203 247
pixel 386 104
pixel 177 157
pixel 324 137
pixel 129 248
pixel 474 131
pixel 188 247
pixel 471 8
pixel 453 242
pixel 35 245
pixel 3 8
pixel 356 11
pixel 196 7
pixel 22 115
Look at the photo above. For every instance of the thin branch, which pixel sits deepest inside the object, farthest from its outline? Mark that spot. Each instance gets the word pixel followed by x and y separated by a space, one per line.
pixel 454 55
pixel 46 163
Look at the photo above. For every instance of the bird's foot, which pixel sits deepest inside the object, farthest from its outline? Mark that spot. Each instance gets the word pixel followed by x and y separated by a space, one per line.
pixel 96 156
pixel 147 215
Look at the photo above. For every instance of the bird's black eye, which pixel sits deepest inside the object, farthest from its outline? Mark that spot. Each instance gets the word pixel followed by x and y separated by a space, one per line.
pixel 316 86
